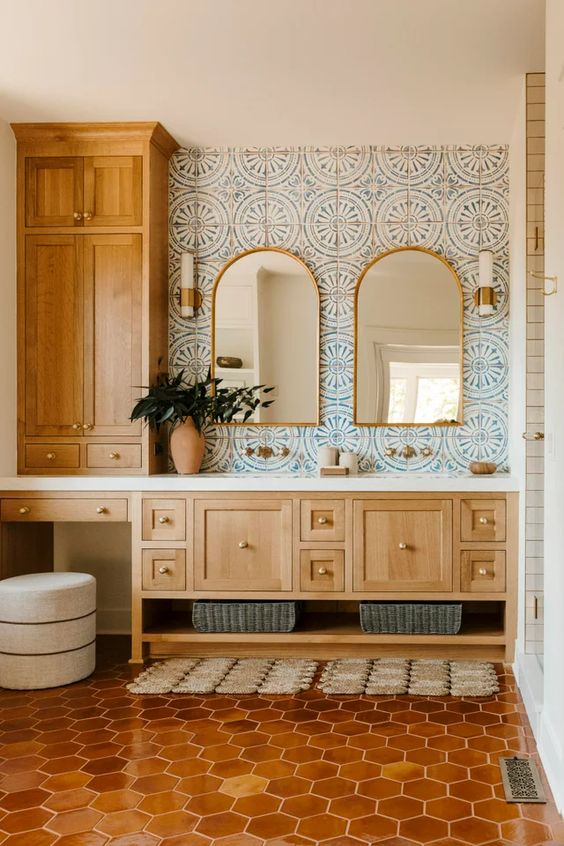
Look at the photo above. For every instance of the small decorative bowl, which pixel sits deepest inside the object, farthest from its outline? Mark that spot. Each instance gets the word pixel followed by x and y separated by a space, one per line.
pixel 229 361
pixel 481 468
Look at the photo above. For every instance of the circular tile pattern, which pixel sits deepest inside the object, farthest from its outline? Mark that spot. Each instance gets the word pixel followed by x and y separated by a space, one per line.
pixel 486 366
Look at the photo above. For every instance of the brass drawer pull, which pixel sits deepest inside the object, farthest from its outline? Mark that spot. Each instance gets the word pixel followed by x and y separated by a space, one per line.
pixel 484 521
pixel 87 215
pixel 322 571
pixel 482 571
pixel 164 519
pixel 101 509
pixel 322 520
pixel 243 544
pixel 114 455
pixel 87 426
pixel 25 509
pixel 163 570
pixel 403 546
pixel 77 426
pixel 50 456
pixel 77 215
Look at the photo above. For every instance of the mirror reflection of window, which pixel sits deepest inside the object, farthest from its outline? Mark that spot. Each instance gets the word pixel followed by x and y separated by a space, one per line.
pixel 409 341
pixel 265 320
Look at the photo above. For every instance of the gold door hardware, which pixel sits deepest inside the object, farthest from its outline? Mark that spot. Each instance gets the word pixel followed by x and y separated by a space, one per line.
pixel 164 519
pixel 87 215
pixel 25 509
pixel 163 570
pixel 482 571
pixel 77 426
pixel 390 451
pixel 322 520
pixel 553 279
pixel 101 509
pixel 426 451
pixel 77 216
pixel 243 544
pixel 408 452
pixel 114 455
pixel 537 436
pixel 87 426
pixel 484 521
pixel 536 607
pixel 51 455
pixel 322 571
pixel 267 452
pixel 403 546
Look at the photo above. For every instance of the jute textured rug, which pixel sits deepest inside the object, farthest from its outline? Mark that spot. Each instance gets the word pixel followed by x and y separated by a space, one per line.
pixel 373 677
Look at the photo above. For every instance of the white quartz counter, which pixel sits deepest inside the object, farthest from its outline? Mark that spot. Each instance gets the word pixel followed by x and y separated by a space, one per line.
pixel 380 482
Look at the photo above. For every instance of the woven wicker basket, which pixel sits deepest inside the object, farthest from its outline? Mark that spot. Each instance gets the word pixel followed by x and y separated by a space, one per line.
pixel 209 615
pixel 411 617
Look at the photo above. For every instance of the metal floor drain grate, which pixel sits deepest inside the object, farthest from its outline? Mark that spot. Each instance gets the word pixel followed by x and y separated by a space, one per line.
pixel 521 780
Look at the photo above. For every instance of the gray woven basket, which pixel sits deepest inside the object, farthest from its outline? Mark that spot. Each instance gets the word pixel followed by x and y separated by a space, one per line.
pixel 411 617
pixel 209 615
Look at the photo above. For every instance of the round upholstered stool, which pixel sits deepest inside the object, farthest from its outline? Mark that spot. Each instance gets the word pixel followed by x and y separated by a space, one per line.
pixel 47 630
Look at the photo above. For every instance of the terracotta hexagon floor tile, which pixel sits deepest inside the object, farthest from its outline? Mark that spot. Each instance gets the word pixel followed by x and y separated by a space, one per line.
pixel 73 822
pixel 352 807
pixel 161 803
pixel 403 771
pixel 25 820
pixel 138 839
pixel 304 806
pixel 322 826
pixel 423 829
pixel 448 808
pixel 525 832
pixel 342 755
pixel 24 799
pixel 69 800
pixel 372 827
pixel 447 772
pixel 496 810
pixel 243 785
pixel 175 822
pixel 113 781
pixel 470 791
pixel 91 838
pixel 472 830
pixel 123 822
pixel 379 788
pixel 385 755
pixel 400 807
pixel 272 825
pixel 255 806
pixel 425 789
pixel 31 838
pixel 331 788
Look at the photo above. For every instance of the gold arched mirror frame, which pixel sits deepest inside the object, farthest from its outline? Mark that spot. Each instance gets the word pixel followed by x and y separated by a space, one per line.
pixel 315 421
pixel 460 418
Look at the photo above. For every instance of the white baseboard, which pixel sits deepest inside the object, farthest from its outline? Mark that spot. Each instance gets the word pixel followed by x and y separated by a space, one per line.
pixel 550 752
pixel 113 621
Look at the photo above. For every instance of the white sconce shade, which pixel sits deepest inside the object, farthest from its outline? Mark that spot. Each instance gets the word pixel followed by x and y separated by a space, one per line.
pixel 190 297
pixel 485 296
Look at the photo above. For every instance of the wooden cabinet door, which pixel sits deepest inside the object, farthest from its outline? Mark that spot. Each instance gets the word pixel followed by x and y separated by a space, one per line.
pixel 403 545
pixel 112 191
pixel 243 545
pixel 54 337
pixel 53 191
pixel 112 357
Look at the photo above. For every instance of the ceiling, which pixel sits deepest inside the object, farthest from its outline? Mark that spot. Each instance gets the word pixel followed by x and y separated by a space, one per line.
pixel 275 72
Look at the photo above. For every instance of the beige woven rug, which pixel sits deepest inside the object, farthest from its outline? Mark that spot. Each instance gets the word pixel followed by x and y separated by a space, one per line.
pixel 373 677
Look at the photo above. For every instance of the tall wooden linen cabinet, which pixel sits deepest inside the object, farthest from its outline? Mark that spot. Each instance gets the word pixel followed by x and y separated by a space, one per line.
pixel 92 293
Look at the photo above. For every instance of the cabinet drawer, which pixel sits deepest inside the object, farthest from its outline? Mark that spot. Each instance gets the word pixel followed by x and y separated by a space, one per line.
pixel 164 519
pixel 482 520
pixel 44 456
pixel 482 570
pixel 322 570
pixel 164 569
pixel 322 520
pixel 113 455
pixel 104 509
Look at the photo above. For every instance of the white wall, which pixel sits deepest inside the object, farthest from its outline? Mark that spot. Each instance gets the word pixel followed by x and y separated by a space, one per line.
pixel 7 301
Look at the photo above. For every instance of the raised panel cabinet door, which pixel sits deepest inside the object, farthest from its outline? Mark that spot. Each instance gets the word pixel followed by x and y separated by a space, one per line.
pixel 53 355
pixel 53 191
pixel 113 190
pixel 403 545
pixel 113 333
pixel 243 545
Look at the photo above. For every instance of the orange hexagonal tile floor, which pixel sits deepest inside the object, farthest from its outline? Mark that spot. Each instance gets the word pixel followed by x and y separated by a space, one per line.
pixel 91 764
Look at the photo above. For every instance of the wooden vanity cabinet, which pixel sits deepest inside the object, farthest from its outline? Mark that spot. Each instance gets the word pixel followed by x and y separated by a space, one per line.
pixel 92 294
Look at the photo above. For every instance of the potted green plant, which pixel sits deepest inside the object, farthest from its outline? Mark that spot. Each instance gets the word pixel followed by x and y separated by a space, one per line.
pixel 189 407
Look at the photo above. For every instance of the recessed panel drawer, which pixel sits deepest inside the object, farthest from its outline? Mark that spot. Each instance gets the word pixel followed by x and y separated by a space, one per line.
pixel 164 569
pixel 322 570
pixel 482 570
pixel 322 520
pixel 482 520
pixel 164 519
pixel 102 509
pixel 113 456
pixel 45 456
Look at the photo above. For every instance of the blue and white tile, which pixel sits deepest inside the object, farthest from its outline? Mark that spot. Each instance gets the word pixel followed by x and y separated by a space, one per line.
pixel 213 242
pixel 336 362
pixel 249 163
pixel 283 169
pixel 425 165
pixel 346 316
pixel 337 429
pixel 392 163
pixel 248 237
pixel 494 164
pixel 321 164
pixel 251 210
pixel 191 355
pixel 328 314
pixel 394 207
pixel 212 165
pixel 207 272
pixel 353 208
pixel 348 272
pixel 183 221
pixel 494 219
pixel 319 243
pixel 493 365
pixel 355 239
pixel 285 237
pixel 283 208
pixel 354 165
pixel 183 168
pixel 463 164
pixel 388 236
pixel 320 207
pixel 218 455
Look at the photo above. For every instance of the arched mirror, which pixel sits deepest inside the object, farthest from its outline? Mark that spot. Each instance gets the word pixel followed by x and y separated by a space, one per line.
pixel 409 334
pixel 265 331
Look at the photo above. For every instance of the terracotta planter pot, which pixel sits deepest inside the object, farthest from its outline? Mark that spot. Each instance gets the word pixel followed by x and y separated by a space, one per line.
pixel 187 447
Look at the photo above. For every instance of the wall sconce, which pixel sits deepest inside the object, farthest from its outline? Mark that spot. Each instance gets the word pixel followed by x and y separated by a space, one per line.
pixel 485 295
pixel 190 297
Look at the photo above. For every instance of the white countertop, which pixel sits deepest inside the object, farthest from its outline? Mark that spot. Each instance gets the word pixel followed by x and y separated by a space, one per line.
pixel 266 482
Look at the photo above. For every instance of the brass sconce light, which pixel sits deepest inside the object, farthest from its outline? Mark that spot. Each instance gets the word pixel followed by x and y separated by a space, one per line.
pixel 485 295
pixel 190 297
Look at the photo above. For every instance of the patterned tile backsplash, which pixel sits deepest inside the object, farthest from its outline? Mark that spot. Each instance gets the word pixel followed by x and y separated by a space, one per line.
pixel 336 208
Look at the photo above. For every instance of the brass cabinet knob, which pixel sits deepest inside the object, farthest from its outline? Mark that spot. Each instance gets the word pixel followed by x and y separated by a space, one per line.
pixel 484 521
pixel 101 509
pixel 87 215
pixel 403 546
pixel 50 456
pixel 87 426
pixel 77 426
pixel 25 509
pixel 164 519
pixel 322 520
pixel 77 216
pixel 322 571
pixel 243 544
pixel 114 455
pixel 163 570
pixel 482 571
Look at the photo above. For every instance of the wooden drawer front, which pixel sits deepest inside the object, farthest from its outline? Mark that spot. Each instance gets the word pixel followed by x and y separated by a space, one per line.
pixel 403 545
pixel 44 456
pixel 482 520
pixel 164 569
pixel 104 509
pixel 243 545
pixel 164 519
pixel 322 570
pixel 322 520
pixel 482 570
pixel 113 455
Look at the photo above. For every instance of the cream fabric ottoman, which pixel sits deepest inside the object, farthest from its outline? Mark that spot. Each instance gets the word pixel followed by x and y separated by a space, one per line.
pixel 47 630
